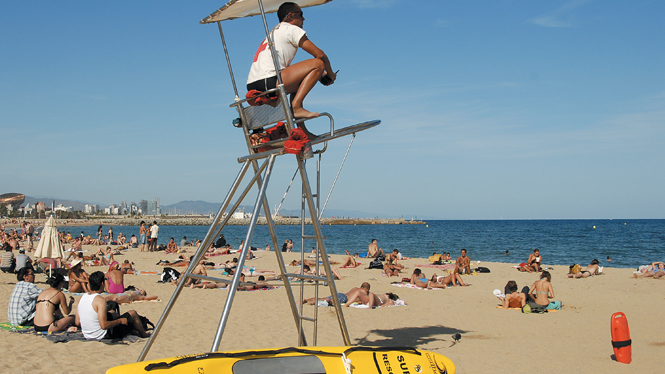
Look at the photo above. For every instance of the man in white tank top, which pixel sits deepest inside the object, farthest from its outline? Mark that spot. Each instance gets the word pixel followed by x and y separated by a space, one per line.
pixel 94 319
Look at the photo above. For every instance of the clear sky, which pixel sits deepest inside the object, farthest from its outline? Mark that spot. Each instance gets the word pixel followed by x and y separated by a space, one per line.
pixel 494 109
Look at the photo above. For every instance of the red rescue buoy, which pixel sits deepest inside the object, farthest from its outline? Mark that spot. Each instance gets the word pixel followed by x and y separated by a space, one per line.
pixel 621 338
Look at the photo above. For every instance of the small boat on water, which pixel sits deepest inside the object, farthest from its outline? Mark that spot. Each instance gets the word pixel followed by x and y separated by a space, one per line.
pixel 338 360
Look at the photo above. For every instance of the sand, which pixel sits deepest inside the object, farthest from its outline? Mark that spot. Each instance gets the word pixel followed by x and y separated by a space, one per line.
pixel 493 340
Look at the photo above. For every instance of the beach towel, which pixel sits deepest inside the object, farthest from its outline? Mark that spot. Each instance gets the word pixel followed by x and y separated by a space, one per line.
pixel 256 100
pixel 409 285
pixel 501 307
pixel 147 272
pixel 64 336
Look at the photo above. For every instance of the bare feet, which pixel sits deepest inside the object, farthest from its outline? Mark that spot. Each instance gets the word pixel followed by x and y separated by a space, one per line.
pixel 304 113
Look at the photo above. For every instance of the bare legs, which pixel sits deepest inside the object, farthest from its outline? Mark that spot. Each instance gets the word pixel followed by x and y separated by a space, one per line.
pixel 298 80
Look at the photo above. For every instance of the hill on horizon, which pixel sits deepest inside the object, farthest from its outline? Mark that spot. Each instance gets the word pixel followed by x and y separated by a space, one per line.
pixel 187 207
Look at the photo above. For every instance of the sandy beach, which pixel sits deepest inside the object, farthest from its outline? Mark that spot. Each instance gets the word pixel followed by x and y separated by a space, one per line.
pixel 493 340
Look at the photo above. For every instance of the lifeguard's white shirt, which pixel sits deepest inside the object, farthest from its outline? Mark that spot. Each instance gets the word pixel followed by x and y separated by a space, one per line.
pixel 286 37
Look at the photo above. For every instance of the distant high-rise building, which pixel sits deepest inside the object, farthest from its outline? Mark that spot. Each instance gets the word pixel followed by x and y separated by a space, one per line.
pixel 143 206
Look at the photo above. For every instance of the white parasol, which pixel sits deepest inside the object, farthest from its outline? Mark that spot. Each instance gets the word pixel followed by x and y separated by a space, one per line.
pixel 248 8
pixel 49 245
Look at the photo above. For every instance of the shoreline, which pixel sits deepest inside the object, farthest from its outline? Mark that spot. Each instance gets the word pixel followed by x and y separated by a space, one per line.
pixel 207 221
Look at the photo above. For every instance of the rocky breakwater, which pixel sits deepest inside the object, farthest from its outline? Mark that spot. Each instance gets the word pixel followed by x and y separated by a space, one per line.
pixel 206 221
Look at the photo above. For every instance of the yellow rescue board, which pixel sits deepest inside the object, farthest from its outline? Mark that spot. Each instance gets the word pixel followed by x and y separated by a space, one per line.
pixel 337 360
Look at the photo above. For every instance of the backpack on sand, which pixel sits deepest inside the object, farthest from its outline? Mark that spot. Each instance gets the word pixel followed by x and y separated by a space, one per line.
pixel 169 275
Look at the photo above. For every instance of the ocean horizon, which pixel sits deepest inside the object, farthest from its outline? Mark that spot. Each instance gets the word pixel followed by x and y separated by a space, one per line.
pixel 629 243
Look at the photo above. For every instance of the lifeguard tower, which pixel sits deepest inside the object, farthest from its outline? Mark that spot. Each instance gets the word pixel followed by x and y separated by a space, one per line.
pixel 257 167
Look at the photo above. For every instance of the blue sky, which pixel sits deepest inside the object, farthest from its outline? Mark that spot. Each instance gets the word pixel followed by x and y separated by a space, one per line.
pixel 490 109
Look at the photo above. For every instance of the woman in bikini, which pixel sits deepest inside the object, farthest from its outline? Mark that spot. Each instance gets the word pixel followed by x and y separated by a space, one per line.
pixel 48 316
pixel 542 291
pixel 78 278
pixel 115 282
pixel 451 280
pixel 131 294
pixel 592 269
pixel 419 279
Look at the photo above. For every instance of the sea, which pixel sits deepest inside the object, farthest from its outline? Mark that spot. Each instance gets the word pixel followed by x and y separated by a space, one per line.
pixel 628 243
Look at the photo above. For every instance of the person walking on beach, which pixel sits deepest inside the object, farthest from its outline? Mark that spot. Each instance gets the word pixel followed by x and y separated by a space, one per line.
pixel 154 233
pixel 29 231
pixel 298 78
pixel 110 234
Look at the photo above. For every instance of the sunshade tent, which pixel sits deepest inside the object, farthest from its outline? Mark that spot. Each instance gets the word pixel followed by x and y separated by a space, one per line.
pixel 49 245
pixel 248 8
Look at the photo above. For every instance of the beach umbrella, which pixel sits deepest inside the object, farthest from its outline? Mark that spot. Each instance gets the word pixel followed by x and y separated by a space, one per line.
pixel 49 245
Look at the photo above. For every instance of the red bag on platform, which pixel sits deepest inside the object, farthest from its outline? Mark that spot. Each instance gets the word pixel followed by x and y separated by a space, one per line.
pixel 296 142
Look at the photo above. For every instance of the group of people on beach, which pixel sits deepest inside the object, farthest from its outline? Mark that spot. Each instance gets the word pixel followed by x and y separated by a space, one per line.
pixel 97 316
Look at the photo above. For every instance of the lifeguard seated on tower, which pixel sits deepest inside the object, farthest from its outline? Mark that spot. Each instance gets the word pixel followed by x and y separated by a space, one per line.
pixel 299 78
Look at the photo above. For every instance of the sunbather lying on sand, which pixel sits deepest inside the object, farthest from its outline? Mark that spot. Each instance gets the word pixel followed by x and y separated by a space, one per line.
pixel 592 269
pixel 131 294
pixel 377 299
pixel 450 280
pixel 360 293
pixel 350 261
pixel 656 270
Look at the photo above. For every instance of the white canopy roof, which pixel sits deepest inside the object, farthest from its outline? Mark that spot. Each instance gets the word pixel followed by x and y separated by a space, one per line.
pixel 247 8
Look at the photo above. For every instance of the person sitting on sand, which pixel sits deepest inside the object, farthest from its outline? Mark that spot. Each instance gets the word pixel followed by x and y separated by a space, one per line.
pixel 350 261
pixel 463 263
pixel 656 270
pixel 106 255
pixel 133 242
pixel 512 298
pixel 78 278
pixel 127 268
pixel 91 315
pixel 533 262
pixel 21 308
pixel 114 280
pixel 373 250
pixel 121 239
pixel 171 247
pixel 199 269
pixel 391 267
pixel 48 316
pixel 541 291
pixel 419 279
pixel 592 269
